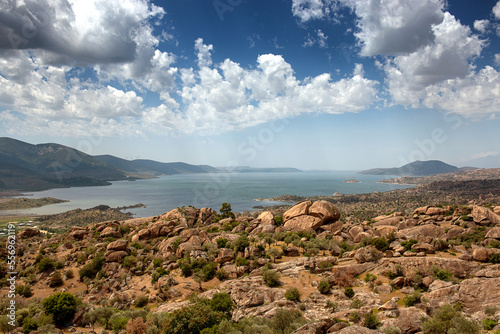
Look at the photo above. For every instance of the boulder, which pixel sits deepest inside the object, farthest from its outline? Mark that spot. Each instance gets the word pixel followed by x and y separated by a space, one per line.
pixel 355 230
pixel 434 211
pixel 482 254
pixel 356 329
pixel 325 211
pixel 110 232
pixel 423 247
pixel 333 227
pixel 298 209
pixel 303 223
pixel 494 233
pixel 367 254
pixel 317 327
pixel 267 228
pixel 118 245
pixel 115 256
pixel 481 214
pixel 478 292
pixel 409 320
pixel 225 255
pixel 266 218
pixel 392 221
pixel 78 233
pixel 385 230
pixel 29 232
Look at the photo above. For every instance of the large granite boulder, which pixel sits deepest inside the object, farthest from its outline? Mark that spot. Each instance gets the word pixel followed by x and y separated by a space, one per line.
pixel 309 216
pixel 483 216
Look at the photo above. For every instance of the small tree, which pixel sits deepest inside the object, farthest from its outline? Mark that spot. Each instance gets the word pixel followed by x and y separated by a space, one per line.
pixel 293 294
pixel 274 253
pixel 271 277
pixel 324 287
pixel 226 211
pixel 349 292
pixel 62 306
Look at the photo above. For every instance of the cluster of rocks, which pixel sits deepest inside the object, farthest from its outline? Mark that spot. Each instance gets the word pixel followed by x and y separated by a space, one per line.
pixel 191 232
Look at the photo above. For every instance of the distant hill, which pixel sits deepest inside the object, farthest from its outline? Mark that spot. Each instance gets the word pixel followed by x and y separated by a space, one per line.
pixel 151 167
pixel 25 166
pixel 417 168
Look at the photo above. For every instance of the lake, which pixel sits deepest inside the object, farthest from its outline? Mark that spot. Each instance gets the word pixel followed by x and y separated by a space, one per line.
pixel 208 190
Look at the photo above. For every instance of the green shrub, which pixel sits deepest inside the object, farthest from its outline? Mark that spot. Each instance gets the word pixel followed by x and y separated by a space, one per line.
pixel 448 320
pixel 355 316
pixel 357 303
pixel 271 277
pixel 62 306
pixel 392 330
pixel 490 310
pixel 240 261
pixel 369 277
pixel 24 290
pixel 442 274
pixel 209 271
pixel 292 294
pixel 69 274
pixel 324 287
pixel 29 325
pixel 192 319
pixel 91 269
pixel 46 264
pixel 221 242
pixel 325 265
pixel 56 279
pixel 221 275
pixel 371 321
pixel 157 263
pixel 222 302
pixel 118 323
pixel 241 243
pixel 129 261
pixel 413 299
pixel 495 258
pixel 381 244
pixel 141 301
pixel 489 324
pixel 349 292
pixel 332 305
pixel 408 244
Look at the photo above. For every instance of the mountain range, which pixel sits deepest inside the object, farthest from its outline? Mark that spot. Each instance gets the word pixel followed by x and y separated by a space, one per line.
pixel 28 167
pixel 416 168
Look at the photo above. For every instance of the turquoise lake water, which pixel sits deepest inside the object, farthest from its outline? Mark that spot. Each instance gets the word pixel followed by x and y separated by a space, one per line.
pixel 209 190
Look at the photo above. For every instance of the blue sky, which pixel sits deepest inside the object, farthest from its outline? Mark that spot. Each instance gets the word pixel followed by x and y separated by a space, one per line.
pixel 312 84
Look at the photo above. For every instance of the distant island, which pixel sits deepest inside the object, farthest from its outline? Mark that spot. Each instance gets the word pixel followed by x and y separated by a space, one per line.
pixel 416 168
pixel 352 181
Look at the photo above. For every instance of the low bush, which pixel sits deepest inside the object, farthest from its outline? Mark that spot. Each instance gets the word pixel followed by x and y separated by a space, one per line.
pixel 56 279
pixel 141 301
pixel 271 277
pixel 349 292
pixel 489 324
pixel 292 294
pixel 324 287
pixel 371 321
pixel 413 299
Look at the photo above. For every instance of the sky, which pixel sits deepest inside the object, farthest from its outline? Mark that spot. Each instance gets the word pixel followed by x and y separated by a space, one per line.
pixel 311 84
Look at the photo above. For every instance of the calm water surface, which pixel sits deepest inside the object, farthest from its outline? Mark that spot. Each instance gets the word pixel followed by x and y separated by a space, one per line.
pixel 208 190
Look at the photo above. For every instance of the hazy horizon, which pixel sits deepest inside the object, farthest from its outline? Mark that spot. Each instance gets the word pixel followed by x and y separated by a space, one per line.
pixel 308 84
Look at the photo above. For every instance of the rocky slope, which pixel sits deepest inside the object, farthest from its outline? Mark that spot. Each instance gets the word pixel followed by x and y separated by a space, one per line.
pixel 405 270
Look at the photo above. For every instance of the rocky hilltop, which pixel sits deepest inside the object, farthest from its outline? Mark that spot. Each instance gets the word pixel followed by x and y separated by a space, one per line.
pixel 308 268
